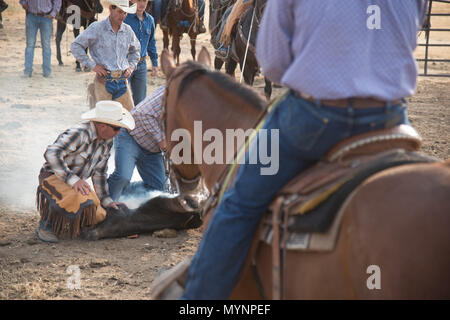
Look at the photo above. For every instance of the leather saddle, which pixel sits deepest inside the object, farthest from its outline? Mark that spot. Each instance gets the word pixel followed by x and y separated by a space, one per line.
pixel 310 202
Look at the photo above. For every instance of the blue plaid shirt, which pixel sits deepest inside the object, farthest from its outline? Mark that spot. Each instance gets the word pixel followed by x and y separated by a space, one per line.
pixel 148 132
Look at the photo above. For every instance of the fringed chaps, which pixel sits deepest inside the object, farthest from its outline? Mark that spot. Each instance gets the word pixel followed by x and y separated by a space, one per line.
pixel 65 210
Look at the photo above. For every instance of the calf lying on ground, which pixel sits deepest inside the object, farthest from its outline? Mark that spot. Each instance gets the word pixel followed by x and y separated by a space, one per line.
pixel 155 214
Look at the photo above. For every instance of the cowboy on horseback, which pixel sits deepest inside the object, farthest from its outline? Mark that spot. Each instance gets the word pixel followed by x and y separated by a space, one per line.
pixel 336 91
pixel 237 10
pixel 167 4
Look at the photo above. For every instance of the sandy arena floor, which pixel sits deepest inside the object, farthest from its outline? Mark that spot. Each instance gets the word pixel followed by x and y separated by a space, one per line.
pixel 34 111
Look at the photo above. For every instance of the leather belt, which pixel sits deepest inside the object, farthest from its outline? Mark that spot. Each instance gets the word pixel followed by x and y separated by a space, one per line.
pixel 116 74
pixel 358 103
pixel 41 14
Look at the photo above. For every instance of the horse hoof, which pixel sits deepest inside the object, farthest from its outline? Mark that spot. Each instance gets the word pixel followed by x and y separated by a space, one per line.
pixel 87 69
pixel 78 69
pixel 61 63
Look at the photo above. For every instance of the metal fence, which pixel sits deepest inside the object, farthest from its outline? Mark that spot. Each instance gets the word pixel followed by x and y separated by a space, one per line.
pixel 427 27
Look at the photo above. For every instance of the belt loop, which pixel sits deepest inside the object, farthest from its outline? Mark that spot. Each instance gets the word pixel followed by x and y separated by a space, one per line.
pixel 350 108
pixel 388 107
pixel 318 103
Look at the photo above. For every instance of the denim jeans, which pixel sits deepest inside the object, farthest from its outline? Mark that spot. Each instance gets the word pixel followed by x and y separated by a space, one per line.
pixel 157 10
pixel 45 25
pixel 138 82
pixel 306 132
pixel 128 155
pixel 116 87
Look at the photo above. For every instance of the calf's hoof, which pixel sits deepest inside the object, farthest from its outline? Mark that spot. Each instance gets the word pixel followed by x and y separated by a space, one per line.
pixel 90 235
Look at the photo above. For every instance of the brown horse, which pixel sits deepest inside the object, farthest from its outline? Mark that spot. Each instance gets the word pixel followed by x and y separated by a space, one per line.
pixel 183 17
pixel 398 219
pixel 243 40
pixel 79 13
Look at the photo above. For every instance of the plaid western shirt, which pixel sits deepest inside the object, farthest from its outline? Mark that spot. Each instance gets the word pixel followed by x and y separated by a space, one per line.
pixel 78 154
pixel 147 116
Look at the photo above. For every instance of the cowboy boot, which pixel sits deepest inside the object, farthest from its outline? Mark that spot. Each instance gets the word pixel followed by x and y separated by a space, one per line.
pixel 223 52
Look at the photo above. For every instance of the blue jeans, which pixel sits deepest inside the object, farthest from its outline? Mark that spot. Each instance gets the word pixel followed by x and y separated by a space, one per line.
pixel 306 132
pixel 128 155
pixel 157 10
pixel 45 25
pixel 138 82
pixel 116 87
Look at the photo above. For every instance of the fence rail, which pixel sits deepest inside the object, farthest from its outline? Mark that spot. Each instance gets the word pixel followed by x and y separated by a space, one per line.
pixel 427 28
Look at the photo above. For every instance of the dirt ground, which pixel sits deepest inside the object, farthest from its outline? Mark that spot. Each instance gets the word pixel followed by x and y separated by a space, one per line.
pixel 33 112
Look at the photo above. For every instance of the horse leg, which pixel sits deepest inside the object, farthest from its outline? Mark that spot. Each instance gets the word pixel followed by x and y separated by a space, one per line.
pixel 166 39
pixel 218 63
pixel 60 28
pixel 249 75
pixel 193 39
pixel 176 47
pixel 267 88
pixel 230 67
pixel 76 33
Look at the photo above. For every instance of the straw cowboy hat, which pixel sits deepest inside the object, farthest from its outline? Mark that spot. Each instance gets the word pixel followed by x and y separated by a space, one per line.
pixel 123 4
pixel 110 112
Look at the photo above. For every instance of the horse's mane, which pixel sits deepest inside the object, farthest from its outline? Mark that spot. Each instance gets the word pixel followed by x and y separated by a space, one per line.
pixel 224 81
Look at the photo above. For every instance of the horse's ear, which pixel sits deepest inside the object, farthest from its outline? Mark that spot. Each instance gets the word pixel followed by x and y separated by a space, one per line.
pixel 204 57
pixel 167 63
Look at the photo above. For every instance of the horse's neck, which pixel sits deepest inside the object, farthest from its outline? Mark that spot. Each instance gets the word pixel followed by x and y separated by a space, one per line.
pixel 238 115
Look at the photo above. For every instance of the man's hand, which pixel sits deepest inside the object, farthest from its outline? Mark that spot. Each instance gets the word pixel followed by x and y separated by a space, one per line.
pixel 100 71
pixel 127 73
pixel 116 204
pixel 82 187
pixel 154 72
pixel 163 145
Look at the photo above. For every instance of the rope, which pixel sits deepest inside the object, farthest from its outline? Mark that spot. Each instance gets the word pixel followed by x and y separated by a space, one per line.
pixel 248 42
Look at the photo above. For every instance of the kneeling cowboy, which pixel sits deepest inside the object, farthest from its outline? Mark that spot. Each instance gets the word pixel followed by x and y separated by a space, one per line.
pixel 115 52
pixel 65 201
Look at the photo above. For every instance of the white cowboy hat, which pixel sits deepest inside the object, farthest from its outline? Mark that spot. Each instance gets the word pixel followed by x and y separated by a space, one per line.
pixel 124 5
pixel 110 112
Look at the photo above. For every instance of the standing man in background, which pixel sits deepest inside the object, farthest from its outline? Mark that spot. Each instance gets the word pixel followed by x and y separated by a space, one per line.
pixel 115 52
pixel 143 26
pixel 39 16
